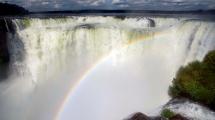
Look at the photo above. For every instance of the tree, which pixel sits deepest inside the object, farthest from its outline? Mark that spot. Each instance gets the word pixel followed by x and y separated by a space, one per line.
pixel 196 81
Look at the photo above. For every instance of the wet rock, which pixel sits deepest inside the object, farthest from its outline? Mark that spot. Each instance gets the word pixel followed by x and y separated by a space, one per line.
pixel 4 51
pixel 4 54
pixel 178 117
pixel 151 22
pixel 139 116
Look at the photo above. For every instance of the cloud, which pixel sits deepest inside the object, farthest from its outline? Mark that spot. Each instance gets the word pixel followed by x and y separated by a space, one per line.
pixel 116 1
pixel 44 5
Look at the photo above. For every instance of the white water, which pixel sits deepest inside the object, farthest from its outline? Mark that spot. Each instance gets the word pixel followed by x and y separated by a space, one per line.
pixel 191 110
pixel 50 55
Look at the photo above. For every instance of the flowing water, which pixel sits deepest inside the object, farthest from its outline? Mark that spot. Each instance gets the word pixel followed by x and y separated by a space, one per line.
pixel 97 68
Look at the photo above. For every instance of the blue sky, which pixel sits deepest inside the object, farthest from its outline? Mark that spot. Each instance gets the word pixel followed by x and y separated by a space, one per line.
pixel 50 5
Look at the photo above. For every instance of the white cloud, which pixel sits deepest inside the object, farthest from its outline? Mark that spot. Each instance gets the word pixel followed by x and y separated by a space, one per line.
pixel 116 1
pixel 45 3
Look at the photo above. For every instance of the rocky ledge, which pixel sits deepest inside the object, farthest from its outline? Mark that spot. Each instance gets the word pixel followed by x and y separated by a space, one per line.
pixel 5 28
pixel 178 109
pixel 141 116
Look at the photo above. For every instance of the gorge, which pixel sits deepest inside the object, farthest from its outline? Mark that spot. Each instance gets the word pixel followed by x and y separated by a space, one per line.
pixel 97 67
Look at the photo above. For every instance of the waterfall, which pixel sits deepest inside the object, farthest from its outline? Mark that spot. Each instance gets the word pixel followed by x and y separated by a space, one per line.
pixel 50 55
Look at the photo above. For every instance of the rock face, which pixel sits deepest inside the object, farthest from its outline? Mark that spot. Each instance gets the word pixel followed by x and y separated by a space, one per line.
pixel 151 22
pixel 4 52
pixel 178 117
pixel 4 55
pixel 139 116
pixel 9 9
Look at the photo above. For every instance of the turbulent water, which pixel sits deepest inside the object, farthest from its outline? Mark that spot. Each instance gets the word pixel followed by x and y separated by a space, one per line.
pixel 190 109
pixel 111 67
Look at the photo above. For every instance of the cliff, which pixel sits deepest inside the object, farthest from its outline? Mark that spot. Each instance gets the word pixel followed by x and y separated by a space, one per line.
pixel 10 9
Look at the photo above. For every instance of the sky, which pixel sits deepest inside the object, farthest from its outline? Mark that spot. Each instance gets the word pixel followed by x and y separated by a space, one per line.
pixel 172 5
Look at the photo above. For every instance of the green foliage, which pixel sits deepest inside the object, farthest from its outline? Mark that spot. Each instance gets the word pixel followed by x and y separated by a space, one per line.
pixel 166 113
pixel 26 22
pixel 210 60
pixel 196 81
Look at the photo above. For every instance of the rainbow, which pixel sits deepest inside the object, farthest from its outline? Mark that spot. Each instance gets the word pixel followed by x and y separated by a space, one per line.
pixel 91 68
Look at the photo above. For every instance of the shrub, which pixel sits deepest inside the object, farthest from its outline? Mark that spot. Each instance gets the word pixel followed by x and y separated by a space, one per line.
pixel 196 81
pixel 166 113
pixel 209 61
pixel 26 22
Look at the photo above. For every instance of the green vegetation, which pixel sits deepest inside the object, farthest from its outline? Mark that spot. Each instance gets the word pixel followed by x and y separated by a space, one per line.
pixel 26 22
pixel 196 81
pixel 166 113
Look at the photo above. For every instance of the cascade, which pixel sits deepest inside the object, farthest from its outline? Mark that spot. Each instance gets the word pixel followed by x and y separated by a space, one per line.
pixel 49 58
